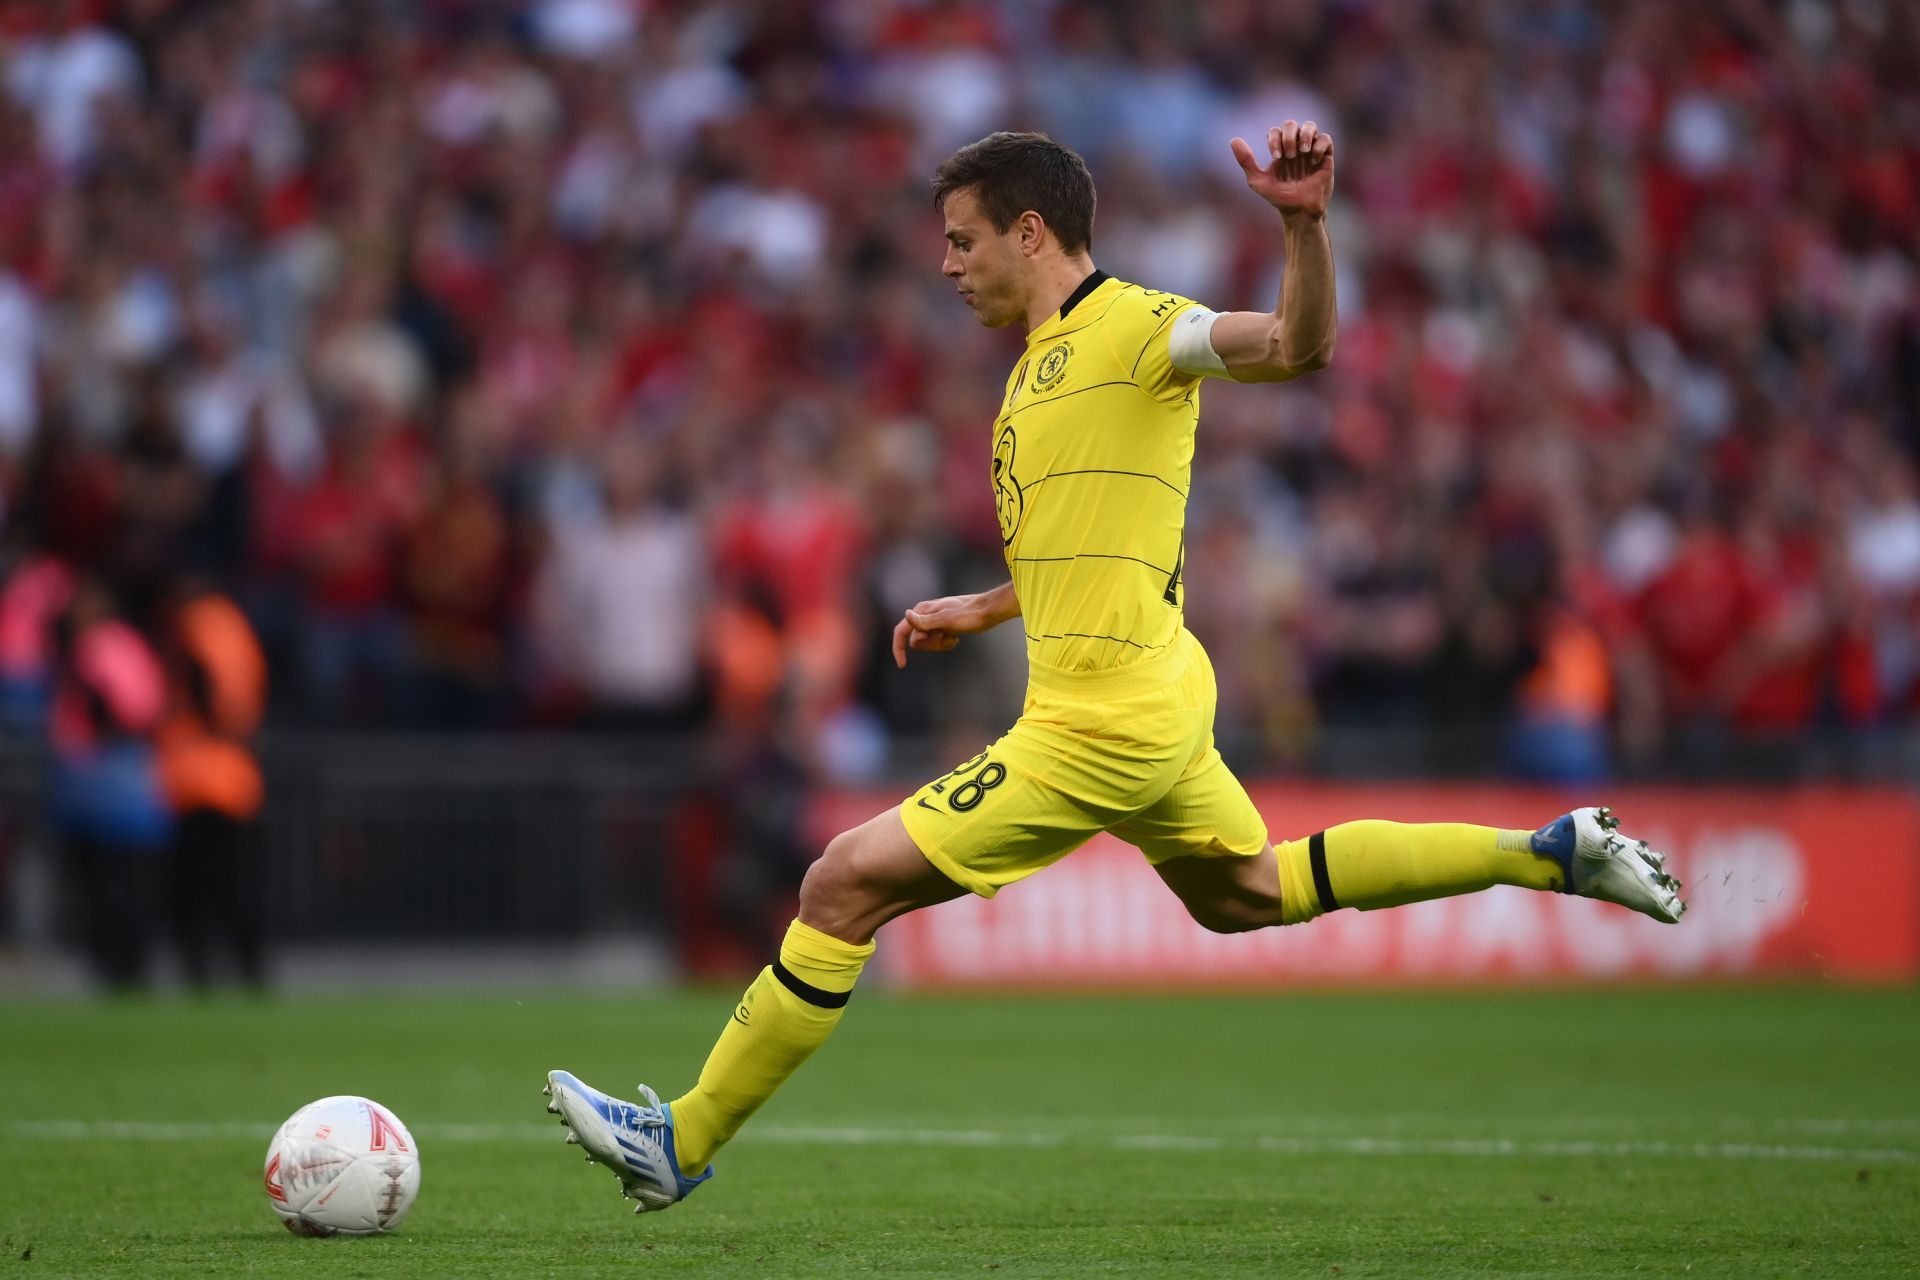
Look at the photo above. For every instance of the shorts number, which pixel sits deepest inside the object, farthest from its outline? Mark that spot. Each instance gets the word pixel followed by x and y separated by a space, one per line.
pixel 939 784
pixel 971 792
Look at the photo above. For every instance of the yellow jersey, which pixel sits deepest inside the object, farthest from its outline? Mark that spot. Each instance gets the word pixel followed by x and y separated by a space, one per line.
pixel 1092 460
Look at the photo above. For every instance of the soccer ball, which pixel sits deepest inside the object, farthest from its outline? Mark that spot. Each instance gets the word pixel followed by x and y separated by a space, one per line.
pixel 342 1166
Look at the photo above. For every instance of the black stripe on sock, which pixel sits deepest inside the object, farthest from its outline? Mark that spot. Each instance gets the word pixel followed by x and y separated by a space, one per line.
pixel 1322 883
pixel 808 992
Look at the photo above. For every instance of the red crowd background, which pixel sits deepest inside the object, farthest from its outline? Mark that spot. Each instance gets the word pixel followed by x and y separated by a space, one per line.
pixel 587 361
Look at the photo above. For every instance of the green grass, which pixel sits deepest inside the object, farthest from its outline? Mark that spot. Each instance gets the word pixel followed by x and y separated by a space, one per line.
pixel 1744 1132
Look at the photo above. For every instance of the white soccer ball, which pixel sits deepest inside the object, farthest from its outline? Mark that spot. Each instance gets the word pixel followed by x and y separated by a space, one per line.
pixel 342 1166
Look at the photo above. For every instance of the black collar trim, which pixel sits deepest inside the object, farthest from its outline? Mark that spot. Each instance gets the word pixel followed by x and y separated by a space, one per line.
pixel 1086 287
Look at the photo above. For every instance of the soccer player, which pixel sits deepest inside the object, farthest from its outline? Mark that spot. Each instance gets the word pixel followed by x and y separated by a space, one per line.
pixel 1091 458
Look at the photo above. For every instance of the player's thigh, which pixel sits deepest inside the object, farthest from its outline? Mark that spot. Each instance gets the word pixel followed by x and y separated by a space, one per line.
pixel 1206 813
pixel 870 875
pixel 1024 803
pixel 1209 845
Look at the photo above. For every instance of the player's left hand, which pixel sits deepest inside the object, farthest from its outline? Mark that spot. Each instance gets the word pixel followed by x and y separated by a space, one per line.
pixel 914 633
pixel 1299 181
pixel 935 626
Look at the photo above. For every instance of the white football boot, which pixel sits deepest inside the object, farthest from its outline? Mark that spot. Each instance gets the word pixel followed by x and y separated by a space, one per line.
pixel 634 1141
pixel 1602 863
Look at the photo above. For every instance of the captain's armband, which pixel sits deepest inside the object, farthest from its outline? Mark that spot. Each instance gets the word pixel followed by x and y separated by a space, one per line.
pixel 1190 345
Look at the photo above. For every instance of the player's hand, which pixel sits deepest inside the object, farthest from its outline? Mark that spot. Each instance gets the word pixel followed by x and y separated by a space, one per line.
pixel 935 626
pixel 1299 180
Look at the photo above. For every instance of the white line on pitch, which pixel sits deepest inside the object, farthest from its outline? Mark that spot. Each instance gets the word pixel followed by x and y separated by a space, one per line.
pixel 857 1136
pixel 1409 1124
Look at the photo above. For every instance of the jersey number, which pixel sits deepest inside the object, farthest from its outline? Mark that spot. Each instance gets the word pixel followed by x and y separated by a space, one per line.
pixel 1008 500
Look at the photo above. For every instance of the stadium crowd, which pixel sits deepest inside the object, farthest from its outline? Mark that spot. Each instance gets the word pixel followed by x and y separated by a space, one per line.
pixel 587 362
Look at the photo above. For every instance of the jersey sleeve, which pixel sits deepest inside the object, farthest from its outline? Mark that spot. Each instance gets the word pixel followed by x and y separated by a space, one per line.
pixel 1141 336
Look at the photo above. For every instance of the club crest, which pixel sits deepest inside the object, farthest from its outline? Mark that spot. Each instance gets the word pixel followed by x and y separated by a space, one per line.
pixel 1052 369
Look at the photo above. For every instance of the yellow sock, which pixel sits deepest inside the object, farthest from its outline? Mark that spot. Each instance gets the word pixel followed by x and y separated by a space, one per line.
pixel 784 1016
pixel 1373 864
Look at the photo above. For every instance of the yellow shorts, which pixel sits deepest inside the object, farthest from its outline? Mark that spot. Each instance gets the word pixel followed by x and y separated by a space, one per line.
pixel 1128 751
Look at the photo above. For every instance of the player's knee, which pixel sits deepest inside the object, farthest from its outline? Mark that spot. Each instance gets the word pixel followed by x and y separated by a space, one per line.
pixel 835 888
pixel 827 881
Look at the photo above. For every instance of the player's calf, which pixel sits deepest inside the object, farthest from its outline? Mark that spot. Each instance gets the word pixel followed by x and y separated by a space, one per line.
pixel 1227 894
pixel 1232 915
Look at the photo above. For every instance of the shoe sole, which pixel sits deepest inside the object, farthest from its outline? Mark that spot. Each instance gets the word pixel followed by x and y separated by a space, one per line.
pixel 1643 884
pixel 612 1160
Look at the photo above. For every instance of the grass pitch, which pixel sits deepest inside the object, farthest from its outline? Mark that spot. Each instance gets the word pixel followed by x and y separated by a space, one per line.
pixel 1742 1132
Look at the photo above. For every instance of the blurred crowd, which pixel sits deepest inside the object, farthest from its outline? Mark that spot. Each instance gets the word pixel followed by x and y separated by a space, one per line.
pixel 587 362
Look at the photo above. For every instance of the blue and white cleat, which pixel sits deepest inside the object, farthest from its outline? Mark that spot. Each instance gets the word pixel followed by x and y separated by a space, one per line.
pixel 1602 863
pixel 634 1141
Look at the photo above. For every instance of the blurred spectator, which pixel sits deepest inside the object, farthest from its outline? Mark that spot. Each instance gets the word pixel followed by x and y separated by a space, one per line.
pixel 1559 731
pixel 64 70
pixel 108 805
pixel 36 594
pixel 216 692
pixel 347 530
pixel 624 602
pixel 459 564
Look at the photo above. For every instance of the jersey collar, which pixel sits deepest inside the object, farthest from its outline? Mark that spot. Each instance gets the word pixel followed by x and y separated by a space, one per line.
pixel 1084 290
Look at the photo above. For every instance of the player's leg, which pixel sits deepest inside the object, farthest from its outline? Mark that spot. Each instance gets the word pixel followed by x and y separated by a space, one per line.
pixel 1209 845
pixel 1375 864
pixel 996 818
pixel 1372 864
pixel 866 877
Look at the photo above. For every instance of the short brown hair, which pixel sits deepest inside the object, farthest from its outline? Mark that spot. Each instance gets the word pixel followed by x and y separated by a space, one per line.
pixel 1010 173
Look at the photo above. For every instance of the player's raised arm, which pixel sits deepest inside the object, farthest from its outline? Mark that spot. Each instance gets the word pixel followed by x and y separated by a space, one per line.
pixel 1297 337
pixel 935 626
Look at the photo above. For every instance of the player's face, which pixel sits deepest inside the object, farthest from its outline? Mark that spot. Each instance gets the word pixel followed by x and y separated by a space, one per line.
pixel 985 265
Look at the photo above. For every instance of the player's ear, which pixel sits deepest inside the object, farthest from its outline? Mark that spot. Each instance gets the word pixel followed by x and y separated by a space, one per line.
pixel 1031 232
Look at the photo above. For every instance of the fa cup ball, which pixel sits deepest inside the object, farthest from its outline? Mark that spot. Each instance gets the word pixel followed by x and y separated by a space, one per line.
pixel 342 1166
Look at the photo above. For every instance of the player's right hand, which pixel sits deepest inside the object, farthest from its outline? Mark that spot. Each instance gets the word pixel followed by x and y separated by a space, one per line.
pixel 935 626
pixel 1300 179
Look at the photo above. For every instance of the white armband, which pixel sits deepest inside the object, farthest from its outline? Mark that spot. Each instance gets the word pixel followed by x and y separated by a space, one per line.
pixel 1191 345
